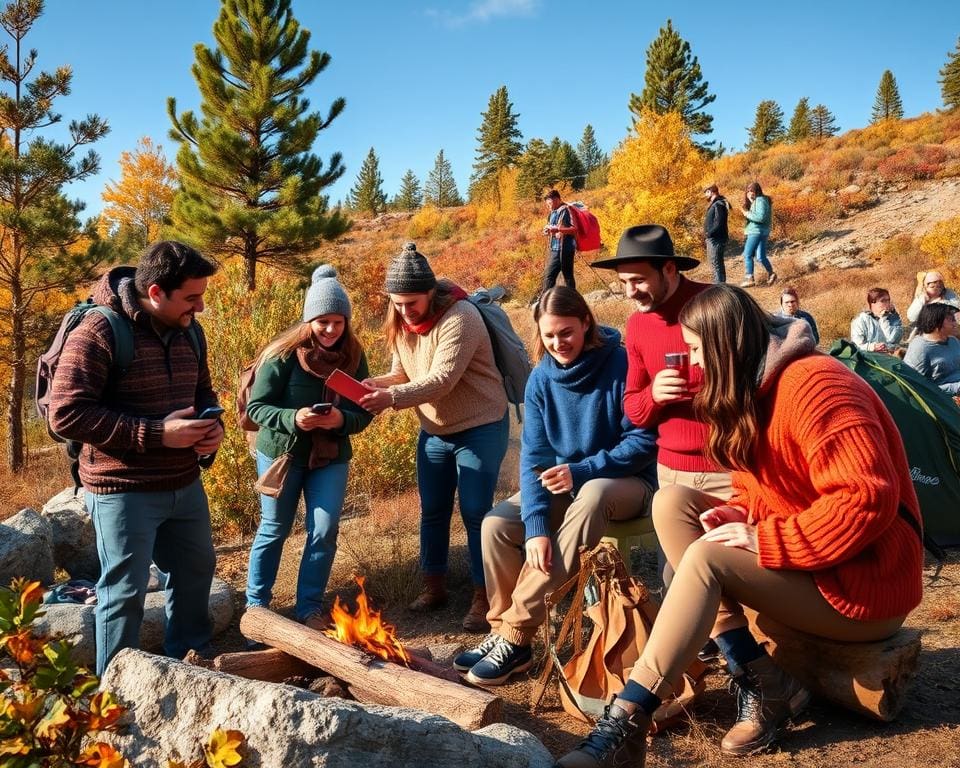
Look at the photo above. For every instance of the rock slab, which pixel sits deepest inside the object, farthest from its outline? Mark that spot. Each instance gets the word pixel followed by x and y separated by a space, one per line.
pixel 26 548
pixel 74 541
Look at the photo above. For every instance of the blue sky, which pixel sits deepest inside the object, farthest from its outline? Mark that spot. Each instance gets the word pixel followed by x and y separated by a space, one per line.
pixel 417 74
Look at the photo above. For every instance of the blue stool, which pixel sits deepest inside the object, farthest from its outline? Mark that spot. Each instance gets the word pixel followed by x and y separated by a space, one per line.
pixel 624 533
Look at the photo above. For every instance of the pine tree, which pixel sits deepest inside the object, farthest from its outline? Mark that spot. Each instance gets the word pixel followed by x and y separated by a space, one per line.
pixel 589 151
pixel 800 125
pixel 367 195
pixel 499 145
pixel 410 196
pixel 536 170
pixel 251 184
pixel 441 188
pixel 950 79
pixel 767 126
pixel 673 82
pixel 887 105
pixel 45 251
pixel 822 122
pixel 565 165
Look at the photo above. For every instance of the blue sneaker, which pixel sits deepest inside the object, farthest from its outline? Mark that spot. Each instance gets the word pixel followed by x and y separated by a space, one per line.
pixel 504 660
pixel 464 662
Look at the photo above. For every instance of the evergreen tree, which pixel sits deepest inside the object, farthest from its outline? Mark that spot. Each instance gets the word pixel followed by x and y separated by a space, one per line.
pixel 822 122
pixel 950 79
pixel 674 83
pixel 499 145
pixel 441 188
pixel 45 251
pixel 887 105
pixel 536 170
pixel 800 125
pixel 367 195
pixel 565 165
pixel 251 185
pixel 410 196
pixel 767 126
pixel 591 157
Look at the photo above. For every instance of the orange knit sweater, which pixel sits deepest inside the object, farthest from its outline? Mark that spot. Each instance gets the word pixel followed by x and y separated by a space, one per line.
pixel 830 473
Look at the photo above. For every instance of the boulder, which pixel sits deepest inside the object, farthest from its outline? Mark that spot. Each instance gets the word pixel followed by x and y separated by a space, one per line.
pixel 74 542
pixel 174 707
pixel 26 548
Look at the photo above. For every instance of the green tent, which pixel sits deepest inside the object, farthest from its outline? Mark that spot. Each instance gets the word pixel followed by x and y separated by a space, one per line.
pixel 929 423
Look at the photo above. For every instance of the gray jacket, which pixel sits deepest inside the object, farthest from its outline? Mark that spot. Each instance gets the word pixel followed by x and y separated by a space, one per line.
pixel 867 329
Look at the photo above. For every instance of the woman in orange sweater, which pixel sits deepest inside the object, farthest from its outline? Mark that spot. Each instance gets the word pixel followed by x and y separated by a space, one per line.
pixel 822 532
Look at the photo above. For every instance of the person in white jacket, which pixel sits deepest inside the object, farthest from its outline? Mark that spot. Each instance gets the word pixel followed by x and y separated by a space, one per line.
pixel 879 328
pixel 931 290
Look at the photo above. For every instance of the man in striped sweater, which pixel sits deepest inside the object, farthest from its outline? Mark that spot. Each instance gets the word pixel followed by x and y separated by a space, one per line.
pixel 142 445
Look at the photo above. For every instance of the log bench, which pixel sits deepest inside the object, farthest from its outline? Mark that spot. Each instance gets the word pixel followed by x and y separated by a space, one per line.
pixel 869 678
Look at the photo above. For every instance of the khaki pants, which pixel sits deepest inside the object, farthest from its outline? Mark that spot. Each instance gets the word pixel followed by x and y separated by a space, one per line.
pixel 715 483
pixel 514 589
pixel 711 585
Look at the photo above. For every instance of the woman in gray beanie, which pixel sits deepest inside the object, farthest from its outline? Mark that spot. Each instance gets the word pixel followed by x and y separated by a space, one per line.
pixel 297 414
pixel 443 367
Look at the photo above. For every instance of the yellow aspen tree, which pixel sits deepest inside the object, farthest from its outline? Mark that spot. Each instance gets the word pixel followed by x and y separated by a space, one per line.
pixel 141 200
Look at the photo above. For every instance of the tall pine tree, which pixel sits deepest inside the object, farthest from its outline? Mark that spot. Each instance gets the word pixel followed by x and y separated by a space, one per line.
pixel 800 126
pixel 950 79
pixel 565 165
pixel 536 170
pixel 251 185
pixel 673 82
pixel 410 196
pixel 498 145
pixel 823 124
pixel 589 151
pixel 44 250
pixel 887 105
pixel 367 195
pixel 767 126
pixel 441 188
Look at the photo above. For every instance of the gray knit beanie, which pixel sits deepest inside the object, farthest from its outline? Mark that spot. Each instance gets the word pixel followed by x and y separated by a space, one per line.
pixel 325 296
pixel 410 272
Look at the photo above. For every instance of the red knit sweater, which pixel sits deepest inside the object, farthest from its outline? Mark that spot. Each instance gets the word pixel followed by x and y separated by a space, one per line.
pixel 650 335
pixel 830 473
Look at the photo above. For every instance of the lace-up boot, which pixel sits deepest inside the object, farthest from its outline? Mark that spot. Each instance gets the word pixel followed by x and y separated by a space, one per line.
pixel 618 740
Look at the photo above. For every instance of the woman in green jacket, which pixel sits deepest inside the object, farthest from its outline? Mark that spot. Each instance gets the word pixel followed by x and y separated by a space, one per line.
pixel 296 412
pixel 758 210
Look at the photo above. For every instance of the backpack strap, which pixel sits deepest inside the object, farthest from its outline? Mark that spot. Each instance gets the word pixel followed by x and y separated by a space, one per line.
pixel 122 339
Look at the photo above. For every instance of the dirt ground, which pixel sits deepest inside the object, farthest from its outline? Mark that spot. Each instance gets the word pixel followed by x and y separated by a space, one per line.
pixel 382 545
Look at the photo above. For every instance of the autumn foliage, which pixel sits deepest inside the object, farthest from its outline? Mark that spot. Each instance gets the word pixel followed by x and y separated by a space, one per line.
pixel 141 200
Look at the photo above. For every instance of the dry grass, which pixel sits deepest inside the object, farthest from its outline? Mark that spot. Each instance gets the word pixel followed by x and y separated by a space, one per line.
pixel 46 474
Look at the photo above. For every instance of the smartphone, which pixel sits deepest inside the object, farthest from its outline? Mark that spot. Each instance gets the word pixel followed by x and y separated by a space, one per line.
pixel 210 412
pixel 321 409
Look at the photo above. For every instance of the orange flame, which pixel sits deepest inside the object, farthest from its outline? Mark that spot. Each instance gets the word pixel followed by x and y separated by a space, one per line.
pixel 366 629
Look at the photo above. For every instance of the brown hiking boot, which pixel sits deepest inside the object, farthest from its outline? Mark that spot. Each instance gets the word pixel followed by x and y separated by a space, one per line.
pixel 476 618
pixel 766 698
pixel 618 740
pixel 434 594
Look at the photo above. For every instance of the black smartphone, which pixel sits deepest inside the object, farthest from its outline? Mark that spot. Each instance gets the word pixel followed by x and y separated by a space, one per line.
pixel 321 409
pixel 210 412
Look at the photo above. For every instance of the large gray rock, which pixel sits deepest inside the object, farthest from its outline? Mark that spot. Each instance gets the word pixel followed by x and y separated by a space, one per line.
pixel 26 548
pixel 74 542
pixel 76 622
pixel 175 707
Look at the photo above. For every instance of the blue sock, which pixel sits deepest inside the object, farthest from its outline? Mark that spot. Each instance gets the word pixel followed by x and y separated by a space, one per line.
pixel 637 694
pixel 739 647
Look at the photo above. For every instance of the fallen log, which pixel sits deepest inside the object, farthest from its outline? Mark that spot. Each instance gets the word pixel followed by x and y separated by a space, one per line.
pixel 270 665
pixel 869 678
pixel 370 679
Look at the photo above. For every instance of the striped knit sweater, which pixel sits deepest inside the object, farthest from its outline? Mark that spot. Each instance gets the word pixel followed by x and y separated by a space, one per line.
pixel 830 474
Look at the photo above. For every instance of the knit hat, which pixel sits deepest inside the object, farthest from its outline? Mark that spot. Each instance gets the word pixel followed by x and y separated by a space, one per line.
pixel 325 296
pixel 410 272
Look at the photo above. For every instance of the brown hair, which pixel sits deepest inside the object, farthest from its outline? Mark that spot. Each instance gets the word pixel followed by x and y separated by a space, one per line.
pixel 734 333
pixel 754 187
pixel 298 335
pixel 441 297
pixel 875 294
pixel 563 301
pixel 713 189
pixel 789 291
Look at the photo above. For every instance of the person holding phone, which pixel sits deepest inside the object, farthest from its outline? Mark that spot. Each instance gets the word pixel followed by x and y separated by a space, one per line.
pixel 582 464
pixel 300 415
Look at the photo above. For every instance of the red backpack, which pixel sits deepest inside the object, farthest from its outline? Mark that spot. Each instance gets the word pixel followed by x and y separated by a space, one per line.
pixel 588 228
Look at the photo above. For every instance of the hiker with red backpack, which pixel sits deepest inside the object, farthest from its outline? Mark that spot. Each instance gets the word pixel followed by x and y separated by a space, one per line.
pixel 307 426
pixel 561 233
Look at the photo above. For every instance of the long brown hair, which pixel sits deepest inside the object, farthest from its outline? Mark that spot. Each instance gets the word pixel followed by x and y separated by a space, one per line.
pixel 754 187
pixel 564 302
pixel 298 335
pixel 734 333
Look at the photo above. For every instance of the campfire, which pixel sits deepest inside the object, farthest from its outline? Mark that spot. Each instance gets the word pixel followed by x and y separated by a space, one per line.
pixel 365 629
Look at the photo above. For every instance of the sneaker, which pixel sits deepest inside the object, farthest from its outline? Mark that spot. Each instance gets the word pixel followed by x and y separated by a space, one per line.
pixel 771 278
pixel 463 662
pixel 747 282
pixel 318 620
pixel 505 659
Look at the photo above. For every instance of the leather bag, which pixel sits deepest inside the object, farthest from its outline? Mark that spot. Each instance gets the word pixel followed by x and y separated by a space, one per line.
pixel 270 483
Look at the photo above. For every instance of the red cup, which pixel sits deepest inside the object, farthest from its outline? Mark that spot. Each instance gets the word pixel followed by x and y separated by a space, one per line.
pixel 679 362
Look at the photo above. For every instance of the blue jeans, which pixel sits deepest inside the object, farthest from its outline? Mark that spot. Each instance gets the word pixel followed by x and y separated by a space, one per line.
pixel 172 528
pixel 468 462
pixel 755 244
pixel 323 491
pixel 715 257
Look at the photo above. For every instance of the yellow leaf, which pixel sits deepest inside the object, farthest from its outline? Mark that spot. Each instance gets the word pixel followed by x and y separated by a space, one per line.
pixel 54 720
pixel 102 755
pixel 104 711
pixel 222 749
pixel 16 746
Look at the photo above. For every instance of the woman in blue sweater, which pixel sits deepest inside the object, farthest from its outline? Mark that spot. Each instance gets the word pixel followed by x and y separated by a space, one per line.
pixel 582 463
pixel 758 211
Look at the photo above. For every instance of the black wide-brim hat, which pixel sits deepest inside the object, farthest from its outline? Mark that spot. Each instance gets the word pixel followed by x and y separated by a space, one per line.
pixel 646 242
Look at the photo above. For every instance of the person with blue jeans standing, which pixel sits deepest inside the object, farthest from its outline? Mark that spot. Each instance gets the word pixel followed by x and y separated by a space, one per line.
pixel 758 210
pixel 143 446
pixel 297 414
pixel 443 367
pixel 715 234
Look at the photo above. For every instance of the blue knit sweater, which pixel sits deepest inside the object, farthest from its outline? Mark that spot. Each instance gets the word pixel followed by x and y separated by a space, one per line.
pixel 574 415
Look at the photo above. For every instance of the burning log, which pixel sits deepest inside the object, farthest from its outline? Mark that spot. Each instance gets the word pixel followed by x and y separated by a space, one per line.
pixel 373 680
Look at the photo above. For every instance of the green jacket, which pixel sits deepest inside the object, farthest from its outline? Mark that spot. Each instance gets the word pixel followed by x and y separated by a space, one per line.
pixel 280 387
pixel 759 217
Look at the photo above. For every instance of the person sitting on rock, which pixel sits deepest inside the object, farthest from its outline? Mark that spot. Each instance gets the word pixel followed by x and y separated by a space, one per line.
pixel 930 289
pixel 790 307
pixel 935 351
pixel 582 464
pixel 878 328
